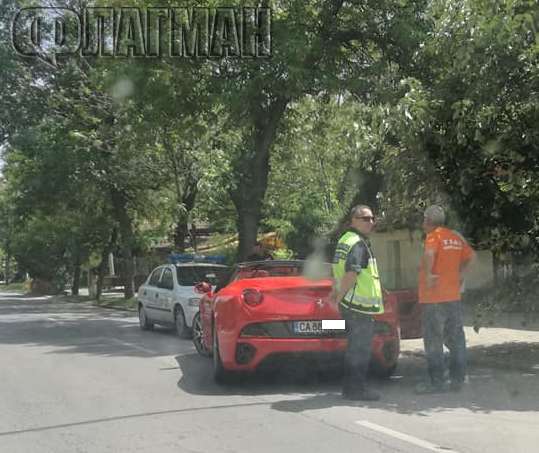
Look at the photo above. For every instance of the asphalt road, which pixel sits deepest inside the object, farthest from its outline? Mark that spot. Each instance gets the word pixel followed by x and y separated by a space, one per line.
pixel 75 378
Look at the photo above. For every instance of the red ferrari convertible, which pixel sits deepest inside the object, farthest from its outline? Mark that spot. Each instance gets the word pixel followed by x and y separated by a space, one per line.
pixel 269 310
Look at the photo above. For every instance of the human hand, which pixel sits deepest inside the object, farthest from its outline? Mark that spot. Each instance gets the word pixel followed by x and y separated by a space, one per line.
pixel 333 297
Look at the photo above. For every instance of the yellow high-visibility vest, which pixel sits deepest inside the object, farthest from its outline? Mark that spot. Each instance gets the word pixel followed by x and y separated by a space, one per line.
pixel 366 295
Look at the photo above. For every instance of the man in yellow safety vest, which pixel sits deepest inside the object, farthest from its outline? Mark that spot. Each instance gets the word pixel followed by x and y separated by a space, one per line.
pixel 359 295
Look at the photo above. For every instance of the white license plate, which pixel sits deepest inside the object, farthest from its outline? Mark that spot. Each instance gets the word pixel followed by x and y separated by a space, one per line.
pixel 307 327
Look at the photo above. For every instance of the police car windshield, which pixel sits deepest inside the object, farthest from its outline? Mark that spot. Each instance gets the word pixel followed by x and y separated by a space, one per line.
pixel 191 275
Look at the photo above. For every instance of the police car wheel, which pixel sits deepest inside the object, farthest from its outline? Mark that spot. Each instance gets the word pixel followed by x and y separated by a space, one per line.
pixel 144 322
pixel 179 320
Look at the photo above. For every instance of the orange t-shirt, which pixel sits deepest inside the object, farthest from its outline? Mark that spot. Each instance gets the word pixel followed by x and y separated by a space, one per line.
pixel 451 251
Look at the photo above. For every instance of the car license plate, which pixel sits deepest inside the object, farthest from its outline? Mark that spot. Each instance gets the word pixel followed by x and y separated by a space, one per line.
pixel 308 327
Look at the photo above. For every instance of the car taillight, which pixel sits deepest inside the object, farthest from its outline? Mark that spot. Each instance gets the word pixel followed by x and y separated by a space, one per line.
pixel 252 297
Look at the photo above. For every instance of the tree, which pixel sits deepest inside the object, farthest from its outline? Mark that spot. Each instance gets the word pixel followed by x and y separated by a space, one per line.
pixel 335 51
pixel 466 124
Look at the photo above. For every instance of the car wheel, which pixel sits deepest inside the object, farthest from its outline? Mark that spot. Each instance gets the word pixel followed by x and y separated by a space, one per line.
pixel 380 371
pixel 144 321
pixel 181 327
pixel 220 374
pixel 198 339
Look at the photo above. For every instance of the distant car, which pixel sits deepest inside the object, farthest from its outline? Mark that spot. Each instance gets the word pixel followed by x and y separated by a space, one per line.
pixel 267 310
pixel 167 296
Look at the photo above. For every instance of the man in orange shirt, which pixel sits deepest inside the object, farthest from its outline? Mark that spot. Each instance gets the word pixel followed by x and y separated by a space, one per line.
pixel 446 258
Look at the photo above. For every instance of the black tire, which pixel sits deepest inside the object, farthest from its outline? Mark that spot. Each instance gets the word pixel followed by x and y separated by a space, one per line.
pixel 198 336
pixel 220 374
pixel 179 321
pixel 143 320
pixel 381 372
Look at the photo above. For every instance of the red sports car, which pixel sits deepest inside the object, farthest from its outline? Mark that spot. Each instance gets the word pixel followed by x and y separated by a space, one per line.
pixel 268 310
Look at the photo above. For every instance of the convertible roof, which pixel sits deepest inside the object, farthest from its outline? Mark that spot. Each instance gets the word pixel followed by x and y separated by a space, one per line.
pixel 198 264
pixel 272 263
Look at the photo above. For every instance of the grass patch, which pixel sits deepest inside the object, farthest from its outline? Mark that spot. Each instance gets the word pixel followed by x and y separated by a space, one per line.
pixel 117 302
pixel 72 299
pixel 21 286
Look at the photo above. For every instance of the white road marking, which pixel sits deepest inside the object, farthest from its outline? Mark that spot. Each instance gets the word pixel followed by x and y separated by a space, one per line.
pixel 405 437
pixel 333 324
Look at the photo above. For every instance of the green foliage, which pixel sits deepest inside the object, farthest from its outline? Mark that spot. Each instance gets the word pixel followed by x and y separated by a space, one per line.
pixel 22 287
pixel 283 254
pixel 118 303
pixel 40 248
pixel 397 103
pixel 463 128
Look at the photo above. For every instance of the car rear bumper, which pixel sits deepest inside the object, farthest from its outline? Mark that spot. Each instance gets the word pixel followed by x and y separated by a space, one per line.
pixel 247 354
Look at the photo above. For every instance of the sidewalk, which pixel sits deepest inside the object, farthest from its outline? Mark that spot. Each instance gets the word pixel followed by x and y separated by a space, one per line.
pixel 506 344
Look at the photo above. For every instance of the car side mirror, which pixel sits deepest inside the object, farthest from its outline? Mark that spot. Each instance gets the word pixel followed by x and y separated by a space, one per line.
pixel 203 288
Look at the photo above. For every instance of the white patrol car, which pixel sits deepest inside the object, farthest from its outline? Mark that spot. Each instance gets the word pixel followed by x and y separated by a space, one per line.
pixel 168 297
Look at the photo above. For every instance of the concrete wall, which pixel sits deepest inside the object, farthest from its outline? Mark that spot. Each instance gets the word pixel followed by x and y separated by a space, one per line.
pixel 398 253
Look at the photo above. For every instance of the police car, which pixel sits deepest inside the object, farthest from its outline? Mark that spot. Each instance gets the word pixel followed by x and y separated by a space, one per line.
pixel 167 297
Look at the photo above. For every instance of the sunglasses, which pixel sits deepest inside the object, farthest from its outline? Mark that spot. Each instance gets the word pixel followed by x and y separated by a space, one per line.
pixel 366 218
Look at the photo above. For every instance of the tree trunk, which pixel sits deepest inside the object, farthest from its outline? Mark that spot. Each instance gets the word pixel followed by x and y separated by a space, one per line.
pixel 194 236
pixel 129 276
pixel 248 220
pixel 186 200
pixel 76 280
pixel 127 239
pixel 253 167
pixel 100 280
pixel 369 184
pixel 92 287
pixel 180 233
pixel 103 263
pixel 7 269
pixel 496 269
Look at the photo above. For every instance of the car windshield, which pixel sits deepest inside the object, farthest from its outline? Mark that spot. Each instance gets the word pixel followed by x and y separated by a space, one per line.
pixel 191 275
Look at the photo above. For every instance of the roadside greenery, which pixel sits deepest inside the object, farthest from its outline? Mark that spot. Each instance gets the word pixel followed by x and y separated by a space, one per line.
pixel 118 303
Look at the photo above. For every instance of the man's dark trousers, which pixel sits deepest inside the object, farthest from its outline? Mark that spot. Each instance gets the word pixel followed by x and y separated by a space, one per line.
pixel 359 333
pixel 442 323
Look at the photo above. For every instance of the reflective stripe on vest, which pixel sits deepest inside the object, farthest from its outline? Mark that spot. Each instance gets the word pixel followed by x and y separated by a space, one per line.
pixel 366 294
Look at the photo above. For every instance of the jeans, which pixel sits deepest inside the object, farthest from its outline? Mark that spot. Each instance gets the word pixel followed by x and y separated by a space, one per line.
pixel 442 324
pixel 359 333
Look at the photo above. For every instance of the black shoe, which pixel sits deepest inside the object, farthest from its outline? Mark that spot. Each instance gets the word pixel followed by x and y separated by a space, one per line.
pixel 361 395
pixel 456 386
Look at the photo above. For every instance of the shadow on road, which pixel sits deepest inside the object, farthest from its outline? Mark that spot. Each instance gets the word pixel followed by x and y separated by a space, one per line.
pixel 489 390
pixel 197 378
pixel 508 356
pixel 80 327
